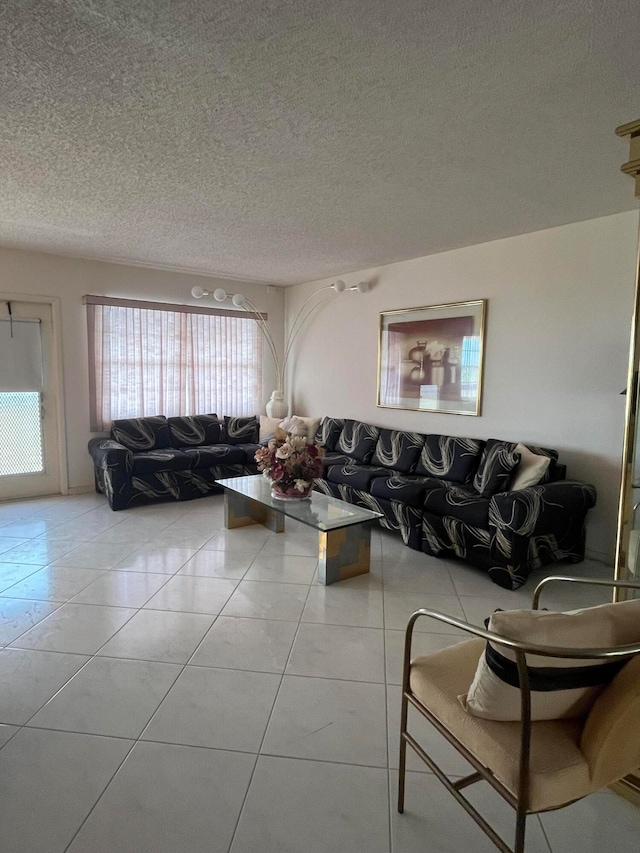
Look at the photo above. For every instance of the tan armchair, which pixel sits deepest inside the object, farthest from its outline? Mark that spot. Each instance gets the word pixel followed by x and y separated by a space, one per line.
pixel 535 766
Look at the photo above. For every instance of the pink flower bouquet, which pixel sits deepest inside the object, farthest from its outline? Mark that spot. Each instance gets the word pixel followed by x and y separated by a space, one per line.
pixel 291 462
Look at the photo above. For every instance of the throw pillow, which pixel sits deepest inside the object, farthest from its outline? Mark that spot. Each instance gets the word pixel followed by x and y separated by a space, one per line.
pixel 140 434
pixel 358 440
pixel 496 467
pixel 560 687
pixel 194 430
pixel 531 469
pixel 268 427
pixel 328 433
pixel 293 425
pixel 241 430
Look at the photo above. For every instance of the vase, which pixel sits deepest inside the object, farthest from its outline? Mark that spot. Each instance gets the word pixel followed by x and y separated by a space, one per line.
pixel 277 407
pixel 289 493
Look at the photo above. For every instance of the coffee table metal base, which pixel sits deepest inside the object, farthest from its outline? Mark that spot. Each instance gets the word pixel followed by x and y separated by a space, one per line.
pixel 342 553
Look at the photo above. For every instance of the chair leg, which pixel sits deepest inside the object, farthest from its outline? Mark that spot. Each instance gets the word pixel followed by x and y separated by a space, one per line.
pixel 521 825
pixel 403 752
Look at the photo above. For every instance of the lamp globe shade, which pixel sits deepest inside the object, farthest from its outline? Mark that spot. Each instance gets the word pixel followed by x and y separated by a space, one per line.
pixel 198 292
pixel 219 294
pixel 339 286
pixel 238 300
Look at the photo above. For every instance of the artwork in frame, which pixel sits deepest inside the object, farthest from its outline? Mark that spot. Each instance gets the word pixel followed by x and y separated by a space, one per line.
pixel 430 359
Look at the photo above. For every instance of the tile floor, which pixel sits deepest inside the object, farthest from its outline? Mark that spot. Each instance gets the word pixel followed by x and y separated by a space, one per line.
pixel 167 686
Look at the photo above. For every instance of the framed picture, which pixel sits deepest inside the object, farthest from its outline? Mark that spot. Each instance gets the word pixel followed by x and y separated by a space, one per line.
pixel 430 359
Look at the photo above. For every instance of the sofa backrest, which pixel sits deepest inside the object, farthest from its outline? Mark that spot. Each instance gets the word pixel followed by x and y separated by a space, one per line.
pixel 358 440
pixel 139 434
pixel 398 450
pixel 447 457
pixel 554 472
pixel 194 430
pixel 328 433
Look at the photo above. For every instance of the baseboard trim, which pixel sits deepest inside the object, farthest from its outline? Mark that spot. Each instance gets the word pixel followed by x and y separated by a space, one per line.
pixel 80 490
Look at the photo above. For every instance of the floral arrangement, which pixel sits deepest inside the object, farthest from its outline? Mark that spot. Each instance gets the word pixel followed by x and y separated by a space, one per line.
pixel 291 462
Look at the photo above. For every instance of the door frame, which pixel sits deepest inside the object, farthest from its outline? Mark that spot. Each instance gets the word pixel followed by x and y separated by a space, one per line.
pixel 57 373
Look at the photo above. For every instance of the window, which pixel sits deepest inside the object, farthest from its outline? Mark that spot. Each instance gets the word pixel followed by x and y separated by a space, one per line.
pixel 470 367
pixel 156 359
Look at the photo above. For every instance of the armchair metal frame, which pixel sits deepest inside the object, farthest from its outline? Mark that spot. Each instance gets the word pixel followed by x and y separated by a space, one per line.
pixel 519 802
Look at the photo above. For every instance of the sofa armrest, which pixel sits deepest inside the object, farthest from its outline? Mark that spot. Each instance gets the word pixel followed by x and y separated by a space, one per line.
pixel 105 451
pixel 528 511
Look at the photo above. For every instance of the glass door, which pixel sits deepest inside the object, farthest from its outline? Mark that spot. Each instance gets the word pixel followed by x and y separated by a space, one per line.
pixel 29 455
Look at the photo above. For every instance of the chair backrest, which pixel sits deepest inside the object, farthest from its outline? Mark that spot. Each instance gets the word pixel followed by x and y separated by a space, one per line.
pixel 611 734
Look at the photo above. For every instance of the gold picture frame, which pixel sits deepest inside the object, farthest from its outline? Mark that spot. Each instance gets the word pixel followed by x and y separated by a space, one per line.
pixel 430 359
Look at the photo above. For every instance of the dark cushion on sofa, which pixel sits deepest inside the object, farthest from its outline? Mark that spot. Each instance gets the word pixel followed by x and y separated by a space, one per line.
pixel 139 434
pixel 194 430
pixel 449 458
pixel 357 476
pixel 497 465
pixel 461 502
pixel 328 433
pixel 330 459
pixel 241 430
pixel 151 461
pixel 408 489
pixel 217 454
pixel 398 450
pixel 358 440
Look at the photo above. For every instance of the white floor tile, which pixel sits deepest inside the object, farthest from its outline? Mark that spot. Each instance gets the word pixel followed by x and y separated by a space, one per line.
pixel 7 543
pixel 41 552
pixel 18 616
pixel 218 564
pixel 96 555
pixel 80 628
pixel 122 589
pixel 219 708
pixel 315 807
pixel 300 546
pixel 282 568
pixel 109 697
pixel 169 799
pixel 398 607
pixel 159 635
pixel 261 600
pixel 29 678
pixel 53 583
pixel 417 579
pixel 600 822
pixel 11 573
pixel 254 644
pixel 49 781
pixel 338 605
pixel 6 733
pixel 250 538
pixel 422 644
pixel 151 558
pixel 327 720
pixel 338 651
pixel 181 537
pixel 193 595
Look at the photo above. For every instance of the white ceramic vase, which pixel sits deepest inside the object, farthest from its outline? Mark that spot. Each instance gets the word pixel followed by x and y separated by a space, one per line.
pixel 277 407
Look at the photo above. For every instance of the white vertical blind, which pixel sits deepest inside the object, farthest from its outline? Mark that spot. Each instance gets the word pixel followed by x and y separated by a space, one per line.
pixel 167 362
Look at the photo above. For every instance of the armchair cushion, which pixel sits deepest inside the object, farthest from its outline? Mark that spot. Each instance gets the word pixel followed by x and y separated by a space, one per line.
pixel 560 687
pixel 559 772
pixel 241 430
pixel 139 434
pixel 496 467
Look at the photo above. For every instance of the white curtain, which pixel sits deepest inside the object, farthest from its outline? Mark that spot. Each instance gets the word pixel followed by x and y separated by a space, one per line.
pixel 165 362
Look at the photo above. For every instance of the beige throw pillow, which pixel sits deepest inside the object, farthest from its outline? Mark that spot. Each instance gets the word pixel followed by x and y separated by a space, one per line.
pixel 531 469
pixel 560 687
pixel 268 426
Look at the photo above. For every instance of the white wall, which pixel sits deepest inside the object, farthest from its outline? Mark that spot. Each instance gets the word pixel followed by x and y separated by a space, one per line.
pixel 39 274
pixel 556 347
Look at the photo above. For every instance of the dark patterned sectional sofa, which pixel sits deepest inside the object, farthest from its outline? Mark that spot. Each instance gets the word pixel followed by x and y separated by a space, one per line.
pixel 156 458
pixel 450 497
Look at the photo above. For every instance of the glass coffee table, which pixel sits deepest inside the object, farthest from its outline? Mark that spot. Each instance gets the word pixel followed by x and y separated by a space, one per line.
pixel 344 530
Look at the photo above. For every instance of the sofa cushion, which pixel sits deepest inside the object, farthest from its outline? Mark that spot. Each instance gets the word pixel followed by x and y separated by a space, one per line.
pixel 142 433
pixel 152 461
pixel 241 430
pixel 194 430
pixel 398 450
pixel 357 476
pixel 449 457
pixel 531 469
pixel 358 440
pixel 497 464
pixel 330 459
pixel 560 687
pixel 408 489
pixel 217 454
pixel 459 502
pixel 328 433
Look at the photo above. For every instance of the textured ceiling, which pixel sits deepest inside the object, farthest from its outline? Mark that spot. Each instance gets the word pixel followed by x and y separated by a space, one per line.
pixel 289 140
